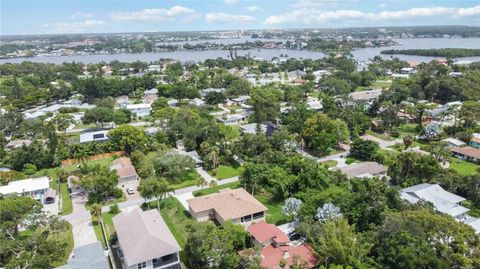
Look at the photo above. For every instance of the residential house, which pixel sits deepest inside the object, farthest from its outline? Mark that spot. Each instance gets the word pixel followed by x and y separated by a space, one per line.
pixel 140 110
pixel 152 91
pixel 366 96
pixel 406 117
pixel 197 102
pixel 364 169
pixel 73 187
pixel 149 99
pixel 236 205
pixel 127 175
pixel 17 143
pixel 474 142
pixel 454 142
pixel 314 104
pixel 275 246
pixel 407 71
pixel 97 136
pixel 241 99
pixel 466 153
pixel 145 241
pixel 204 92
pixel 36 188
pixel 89 256
pixel 232 119
pixel 442 200
pixel 252 128
pixel 123 101
pixel 192 154
pixel 153 68
pixel 296 74
pixel 455 74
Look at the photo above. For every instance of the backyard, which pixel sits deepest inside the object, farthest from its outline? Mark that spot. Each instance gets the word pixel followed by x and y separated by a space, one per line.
pixel 463 167
pixel 224 171
pixel 66 237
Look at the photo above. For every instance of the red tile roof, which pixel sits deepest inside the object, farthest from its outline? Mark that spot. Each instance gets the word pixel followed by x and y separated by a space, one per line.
pixel 262 232
pixel 273 255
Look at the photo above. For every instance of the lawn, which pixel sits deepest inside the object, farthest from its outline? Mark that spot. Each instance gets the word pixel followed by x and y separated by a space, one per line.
pixel 66 237
pixel 389 155
pixel 108 226
pixel 463 167
pixel 382 84
pixel 377 135
pixel 274 213
pixel 224 171
pixel 190 180
pixel 211 190
pixel 330 163
pixel 407 129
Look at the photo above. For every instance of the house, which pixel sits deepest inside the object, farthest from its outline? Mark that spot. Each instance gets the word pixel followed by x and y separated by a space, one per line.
pixel 152 91
pixel 474 142
pixel 140 110
pixel 241 99
pixel 366 96
pixel 275 246
pixel 407 70
pixel 406 117
pixel 455 74
pixel 73 187
pixel 232 119
pixel 236 205
pixel 123 101
pixel 192 154
pixel 466 153
pixel 292 75
pixel 364 169
pixel 204 92
pixel 149 99
pixel 127 175
pixel 442 200
pixel 197 102
pixel 252 128
pixel 36 188
pixel 17 143
pixel 97 136
pixel 145 241
pixel 314 104
pixel 153 68
pixel 87 256
pixel 453 142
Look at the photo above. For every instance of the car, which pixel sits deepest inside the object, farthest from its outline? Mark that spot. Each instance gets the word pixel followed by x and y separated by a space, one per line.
pixel 130 190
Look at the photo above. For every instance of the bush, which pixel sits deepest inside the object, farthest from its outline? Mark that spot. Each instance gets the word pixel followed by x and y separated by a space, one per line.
pixel 395 133
pixel 114 209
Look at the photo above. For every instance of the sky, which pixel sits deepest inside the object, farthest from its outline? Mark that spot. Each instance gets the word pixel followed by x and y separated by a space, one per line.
pixel 19 17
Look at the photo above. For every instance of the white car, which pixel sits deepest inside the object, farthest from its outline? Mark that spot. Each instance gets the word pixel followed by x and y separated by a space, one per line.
pixel 130 190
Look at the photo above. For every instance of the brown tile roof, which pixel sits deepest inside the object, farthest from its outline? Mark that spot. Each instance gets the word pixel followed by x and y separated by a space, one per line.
pixel 475 139
pixel 272 256
pixel 123 161
pixel 127 171
pixel 467 151
pixel 229 204
pixel 363 168
pixel 262 232
pixel 143 235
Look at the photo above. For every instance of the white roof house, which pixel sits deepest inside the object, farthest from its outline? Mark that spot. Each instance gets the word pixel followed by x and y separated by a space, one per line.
pixel 443 201
pixel 151 91
pixel 25 185
pixel 140 110
pixel 252 128
pixel 453 142
pixel 98 136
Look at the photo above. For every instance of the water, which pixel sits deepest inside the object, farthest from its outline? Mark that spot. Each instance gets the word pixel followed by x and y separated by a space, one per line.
pixel 266 54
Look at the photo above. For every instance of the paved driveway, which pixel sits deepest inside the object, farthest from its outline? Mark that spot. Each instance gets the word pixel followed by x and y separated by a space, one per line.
pixel 78 202
pixel 183 198
pixel 83 232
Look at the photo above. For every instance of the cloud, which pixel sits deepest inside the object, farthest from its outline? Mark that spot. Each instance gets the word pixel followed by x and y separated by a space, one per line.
pixel 230 2
pixel 82 15
pixel 153 14
pixel 313 15
pixel 226 17
pixel 74 27
pixel 253 8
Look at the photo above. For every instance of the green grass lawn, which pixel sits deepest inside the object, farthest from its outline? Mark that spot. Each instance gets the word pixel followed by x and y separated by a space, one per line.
pixel 463 167
pixel 224 171
pixel 176 218
pixel 211 190
pixel 381 84
pixel 330 163
pixel 377 135
pixel 66 237
pixel 108 226
pixel 407 129
pixel 274 213
pixel 389 155
pixel 190 180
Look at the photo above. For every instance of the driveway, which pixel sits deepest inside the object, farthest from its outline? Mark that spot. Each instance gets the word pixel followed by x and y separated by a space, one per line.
pixel 182 198
pixel 78 202
pixel 83 232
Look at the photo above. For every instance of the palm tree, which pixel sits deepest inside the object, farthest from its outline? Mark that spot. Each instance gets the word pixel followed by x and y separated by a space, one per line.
pixel 96 211
pixel 213 156
pixel 201 182
pixel 213 183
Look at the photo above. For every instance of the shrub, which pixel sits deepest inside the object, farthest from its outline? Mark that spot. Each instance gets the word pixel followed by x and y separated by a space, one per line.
pixel 114 209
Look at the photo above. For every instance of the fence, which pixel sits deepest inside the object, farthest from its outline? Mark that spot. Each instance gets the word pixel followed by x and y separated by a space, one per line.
pixel 92 158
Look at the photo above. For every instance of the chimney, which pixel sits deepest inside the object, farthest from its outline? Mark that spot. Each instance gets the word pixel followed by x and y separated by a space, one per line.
pixel 286 254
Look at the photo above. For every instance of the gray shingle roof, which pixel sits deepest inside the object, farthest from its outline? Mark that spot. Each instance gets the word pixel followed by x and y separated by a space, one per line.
pixel 88 256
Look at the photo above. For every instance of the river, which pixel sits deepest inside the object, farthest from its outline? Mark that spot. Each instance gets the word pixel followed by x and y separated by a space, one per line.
pixel 363 54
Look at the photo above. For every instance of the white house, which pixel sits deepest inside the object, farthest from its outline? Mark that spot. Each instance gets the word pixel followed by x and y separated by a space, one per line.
pixel 442 200
pixel 145 241
pixel 36 188
pixel 454 142
pixel 151 91
pixel 140 110
pixel 232 119
pixel 97 136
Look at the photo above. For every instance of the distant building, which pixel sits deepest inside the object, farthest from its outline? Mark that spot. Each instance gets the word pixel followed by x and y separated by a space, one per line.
pixel 97 136
pixel 366 96
pixel 364 169
pixel 466 153
pixel 453 142
pixel 232 119
pixel 145 241
pixel 252 128
pixel 204 92
pixel 89 256
pixel 151 91
pixel 236 205
pixel 241 99
pixel 474 142
pixel 140 110
pixel 17 143
pixel 36 188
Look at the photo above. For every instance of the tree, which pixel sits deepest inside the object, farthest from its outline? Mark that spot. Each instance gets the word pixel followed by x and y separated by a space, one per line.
pixel 470 113
pixel 335 86
pixel 322 133
pixel 328 212
pixel 292 207
pixel 411 168
pixel 266 104
pixel 96 211
pixel 99 115
pixel 201 182
pixel 408 141
pixel 159 103
pixel 100 181
pixel 173 166
pixel 364 149
pixel 439 150
pixel 155 187
pixel 214 98
pixel 62 121
pixel 336 243
pixel 129 138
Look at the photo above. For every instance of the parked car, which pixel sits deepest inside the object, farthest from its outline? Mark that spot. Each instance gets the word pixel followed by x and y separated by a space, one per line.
pixel 130 190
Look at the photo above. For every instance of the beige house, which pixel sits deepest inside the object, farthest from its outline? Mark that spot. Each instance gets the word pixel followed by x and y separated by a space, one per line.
pixel 364 169
pixel 236 205
pixel 127 175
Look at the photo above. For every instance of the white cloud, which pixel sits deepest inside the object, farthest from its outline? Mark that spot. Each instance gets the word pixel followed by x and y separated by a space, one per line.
pixel 226 17
pixel 73 27
pixel 82 15
pixel 313 15
pixel 230 2
pixel 253 8
pixel 153 14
